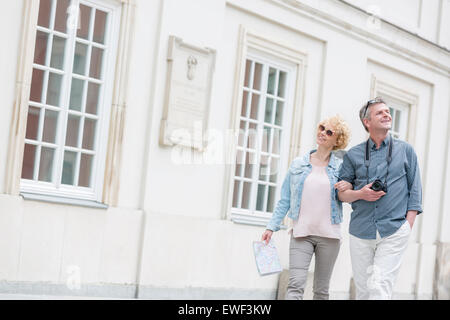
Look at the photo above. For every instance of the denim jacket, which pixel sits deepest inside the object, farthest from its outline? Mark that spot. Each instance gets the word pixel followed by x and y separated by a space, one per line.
pixel 291 190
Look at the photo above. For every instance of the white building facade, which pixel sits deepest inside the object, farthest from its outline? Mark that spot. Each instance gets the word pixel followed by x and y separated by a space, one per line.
pixel 96 197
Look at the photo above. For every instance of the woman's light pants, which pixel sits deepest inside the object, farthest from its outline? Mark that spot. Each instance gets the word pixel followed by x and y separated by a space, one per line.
pixel 376 263
pixel 301 251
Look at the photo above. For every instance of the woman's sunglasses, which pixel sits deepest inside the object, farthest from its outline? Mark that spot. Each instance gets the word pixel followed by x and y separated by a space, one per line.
pixel 328 132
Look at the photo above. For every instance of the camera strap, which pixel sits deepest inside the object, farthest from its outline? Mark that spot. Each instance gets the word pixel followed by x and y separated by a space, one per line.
pixel 388 158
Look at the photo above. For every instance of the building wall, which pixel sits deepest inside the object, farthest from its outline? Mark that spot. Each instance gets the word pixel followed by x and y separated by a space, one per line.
pixel 170 233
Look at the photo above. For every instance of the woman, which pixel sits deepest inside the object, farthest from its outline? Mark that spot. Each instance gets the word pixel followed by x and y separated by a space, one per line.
pixel 309 194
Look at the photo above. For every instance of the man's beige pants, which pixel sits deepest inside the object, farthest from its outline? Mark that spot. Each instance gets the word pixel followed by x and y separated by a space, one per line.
pixel 376 263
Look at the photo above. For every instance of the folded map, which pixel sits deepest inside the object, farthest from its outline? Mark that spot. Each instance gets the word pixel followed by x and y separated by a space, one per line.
pixel 266 257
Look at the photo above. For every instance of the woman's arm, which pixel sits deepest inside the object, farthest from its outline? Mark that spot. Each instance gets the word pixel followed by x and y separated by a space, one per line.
pixel 282 206
pixel 349 195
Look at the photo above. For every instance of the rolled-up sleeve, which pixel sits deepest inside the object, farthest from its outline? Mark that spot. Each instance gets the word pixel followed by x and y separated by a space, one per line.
pixel 414 181
pixel 282 206
pixel 347 171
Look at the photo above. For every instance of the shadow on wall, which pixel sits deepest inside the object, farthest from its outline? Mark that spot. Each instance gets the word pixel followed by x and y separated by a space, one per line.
pixel 441 287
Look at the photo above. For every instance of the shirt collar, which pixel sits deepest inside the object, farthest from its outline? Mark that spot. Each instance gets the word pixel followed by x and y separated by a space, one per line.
pixel 331 162
pixel 385 142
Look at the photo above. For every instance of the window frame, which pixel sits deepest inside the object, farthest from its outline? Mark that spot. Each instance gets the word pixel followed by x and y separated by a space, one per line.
pixel 112 126
pixel 252 44
pixel 383 88
pixel 56 188
pixel 403 110
pixel 267 63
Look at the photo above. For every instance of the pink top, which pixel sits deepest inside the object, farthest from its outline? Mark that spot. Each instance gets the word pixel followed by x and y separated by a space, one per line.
pixel 315 210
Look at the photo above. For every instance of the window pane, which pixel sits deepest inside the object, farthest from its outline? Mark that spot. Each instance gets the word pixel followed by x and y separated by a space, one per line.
pixel 84 179
pixel 264 168
pixel 252 136
pixel 260 197
pixel 32 123
pixel 54 89
pixel 273 169
pixel 397 120
pixel 100 26
pixel 271 199
pixel 239 162
pixel 29 155
pixel 37 81
pixel 45 7
pixel 279 113
pixel 255 105
pixel 79 60
pixel 89 133
pixel 76 94
pixel 271 81
pixel 250 160
pixel 276 141
pixel 282 84
pixel 50 121
pixel 58 49
pixel 269 109
pixel 92 98
pixel 242 133
pixel 246 195
pixel 236 193
pixel 46 164
pixel 84 22
pixel 40 49
pixel 248 65
pixel 73 127
pixel 267 133
pixel 96 63
pixel 244 104
pixel 257 76
pixel 61 15
pixel 68 174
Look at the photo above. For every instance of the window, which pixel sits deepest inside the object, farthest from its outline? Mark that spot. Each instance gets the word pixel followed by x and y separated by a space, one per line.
pixel 70 98
pixel 402 105
pixel 261 152
pixel 399 112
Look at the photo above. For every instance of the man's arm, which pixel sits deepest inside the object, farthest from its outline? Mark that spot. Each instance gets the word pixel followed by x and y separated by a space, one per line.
pixel 414 182
pixel 347 173
pixel 363 194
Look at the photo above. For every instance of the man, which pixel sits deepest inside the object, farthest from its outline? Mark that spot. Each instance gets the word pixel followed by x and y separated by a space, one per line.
pixel 386 197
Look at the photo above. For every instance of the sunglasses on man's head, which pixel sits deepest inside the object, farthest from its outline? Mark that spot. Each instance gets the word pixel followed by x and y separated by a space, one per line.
pixel 370 102
pixel 328 131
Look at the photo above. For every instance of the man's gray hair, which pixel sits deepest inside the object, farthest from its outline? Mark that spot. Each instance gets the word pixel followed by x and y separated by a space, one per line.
pixel 364 112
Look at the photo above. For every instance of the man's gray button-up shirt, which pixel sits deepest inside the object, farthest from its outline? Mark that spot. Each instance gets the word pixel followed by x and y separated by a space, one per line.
pixel 404 188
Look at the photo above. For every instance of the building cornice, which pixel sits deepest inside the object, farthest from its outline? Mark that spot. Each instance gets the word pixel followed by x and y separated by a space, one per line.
pixel 387 37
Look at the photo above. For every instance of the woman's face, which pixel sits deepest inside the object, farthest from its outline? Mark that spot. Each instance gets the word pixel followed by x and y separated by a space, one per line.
pixel 326 135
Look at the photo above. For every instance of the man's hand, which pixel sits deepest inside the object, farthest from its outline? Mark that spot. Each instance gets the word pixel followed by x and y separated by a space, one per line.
pixel 411 217
pixel 370 195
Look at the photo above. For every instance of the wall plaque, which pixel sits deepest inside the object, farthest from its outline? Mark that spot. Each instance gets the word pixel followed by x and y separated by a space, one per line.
pixel 188 94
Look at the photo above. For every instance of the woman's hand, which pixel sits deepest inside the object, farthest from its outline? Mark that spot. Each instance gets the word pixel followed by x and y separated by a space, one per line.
pixel 266 236
pixel 343 185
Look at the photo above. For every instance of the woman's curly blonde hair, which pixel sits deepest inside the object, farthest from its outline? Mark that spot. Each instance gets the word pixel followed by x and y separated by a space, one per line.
pixel 341 128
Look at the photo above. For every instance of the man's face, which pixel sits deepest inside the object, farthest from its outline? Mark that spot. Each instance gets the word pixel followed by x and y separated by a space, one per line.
pixel 380 118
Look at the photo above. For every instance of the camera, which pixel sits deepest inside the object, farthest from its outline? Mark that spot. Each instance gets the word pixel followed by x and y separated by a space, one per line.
pixel 378 185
